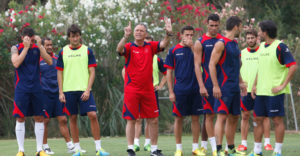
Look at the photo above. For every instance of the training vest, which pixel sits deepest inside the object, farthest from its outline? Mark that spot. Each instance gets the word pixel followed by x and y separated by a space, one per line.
pixel 76 72
pixel 249 67
pixel 270 72
pixel 155 71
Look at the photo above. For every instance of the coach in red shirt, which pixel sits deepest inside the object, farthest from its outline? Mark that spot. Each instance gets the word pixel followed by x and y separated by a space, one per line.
pixel 139 97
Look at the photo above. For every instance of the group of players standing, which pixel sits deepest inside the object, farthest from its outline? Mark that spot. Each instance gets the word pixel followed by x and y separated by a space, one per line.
pixel 212 77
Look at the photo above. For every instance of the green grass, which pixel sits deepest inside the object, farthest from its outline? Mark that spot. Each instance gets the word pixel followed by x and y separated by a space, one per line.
pixel 117 146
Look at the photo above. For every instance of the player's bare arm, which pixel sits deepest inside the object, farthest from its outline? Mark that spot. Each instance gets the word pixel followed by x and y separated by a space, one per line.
pixel 86 94
pixel 253 91
pixel 197 61
pixel 60 86
pixel 161 84
pixel 168 27
pixel 44 54
pixel 292 70
pixel 214 59
pixel 170 85
pixel 17 59
pixel 127 33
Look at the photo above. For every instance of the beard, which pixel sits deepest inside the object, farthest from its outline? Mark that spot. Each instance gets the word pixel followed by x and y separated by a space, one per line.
pixel 251 45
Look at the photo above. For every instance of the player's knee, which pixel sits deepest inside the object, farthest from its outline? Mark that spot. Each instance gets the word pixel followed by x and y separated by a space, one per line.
pixel 62 120
pixel 92 115
pixel 153 121
pixel 21 119
pixel 38 118
pixel 277 120
pixel 138 121
pixel 246 116
pixel 46 120
pixel 195 118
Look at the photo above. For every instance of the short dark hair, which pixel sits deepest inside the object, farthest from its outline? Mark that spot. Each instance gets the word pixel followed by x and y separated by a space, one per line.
pixel 233 21
pixel 149 38
pixel 44 39
pixel 213 17
pixel 74 29
pixel 28 32
pixel 269 27
pixel 251 32
pixel 188 27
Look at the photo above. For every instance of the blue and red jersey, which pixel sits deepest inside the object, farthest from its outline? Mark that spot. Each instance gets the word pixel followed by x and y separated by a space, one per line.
pixel 49 75
pixel 284 55
pixel 27 75
pixel 138 66
pixel 161 67
pixel 228 69
pixel 181 59
pixel 208 44
pixel 91 59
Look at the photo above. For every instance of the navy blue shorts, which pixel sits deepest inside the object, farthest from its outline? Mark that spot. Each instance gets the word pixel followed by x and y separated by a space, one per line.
pixel 187 105
pixel 208 103
pixel 157 101
pixel 228 104
pixel 73 100
pixel 28 104
pixel 247 103
pixel 269 106
pixel 53 107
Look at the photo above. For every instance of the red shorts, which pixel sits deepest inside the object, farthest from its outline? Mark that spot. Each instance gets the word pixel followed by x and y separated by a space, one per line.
pixel 139 105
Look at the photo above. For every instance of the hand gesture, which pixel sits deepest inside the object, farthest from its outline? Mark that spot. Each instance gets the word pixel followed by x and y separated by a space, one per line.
pixel 168 25
pixel 85 96
pixel 172 97
pixel 253 92
pixel 157 88
pixel 38 40
pixel 26 42
pixel 277 89
pixel 62 98
pixel 217 92
pixel 127 30
pixel 243 87
pixel 203 92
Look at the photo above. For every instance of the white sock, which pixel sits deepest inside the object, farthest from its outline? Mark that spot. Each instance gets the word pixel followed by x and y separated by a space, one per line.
pixel 244 142
pixel 257 148
pixel 77 146
pixel 39 135
pixel 179 147
pixel 153 148
pixel 147 141
pixel 213 143
pixel 20 135
pixel 278 147
pixel 137 141
pixel 70 144
pixel 226 146
pixel 195 146
pixel 267 141
pixel 204 144
pixel 45 146
pixel 98 145
pixel 130 147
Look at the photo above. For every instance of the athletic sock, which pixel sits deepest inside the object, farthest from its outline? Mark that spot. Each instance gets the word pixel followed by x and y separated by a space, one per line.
pixel 204 144
pixel 77 146
pixel 278 147
pixel 257 147
pixel 153 148
pixel 231 147
pixel 98 145
pixel 137 141
pixel 226 146
pixel 219 148
pixel 130 147
pixel 39 135
pixel 45 146
pixel 244 142
pixel 147 141
pixel 267 141
pixel 20 135
pixel 70 144
pixel 194 146
pixel 178 147
pixel 213 143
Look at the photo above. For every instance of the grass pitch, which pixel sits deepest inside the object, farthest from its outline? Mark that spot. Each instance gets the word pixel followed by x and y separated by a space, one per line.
pixel 117 146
